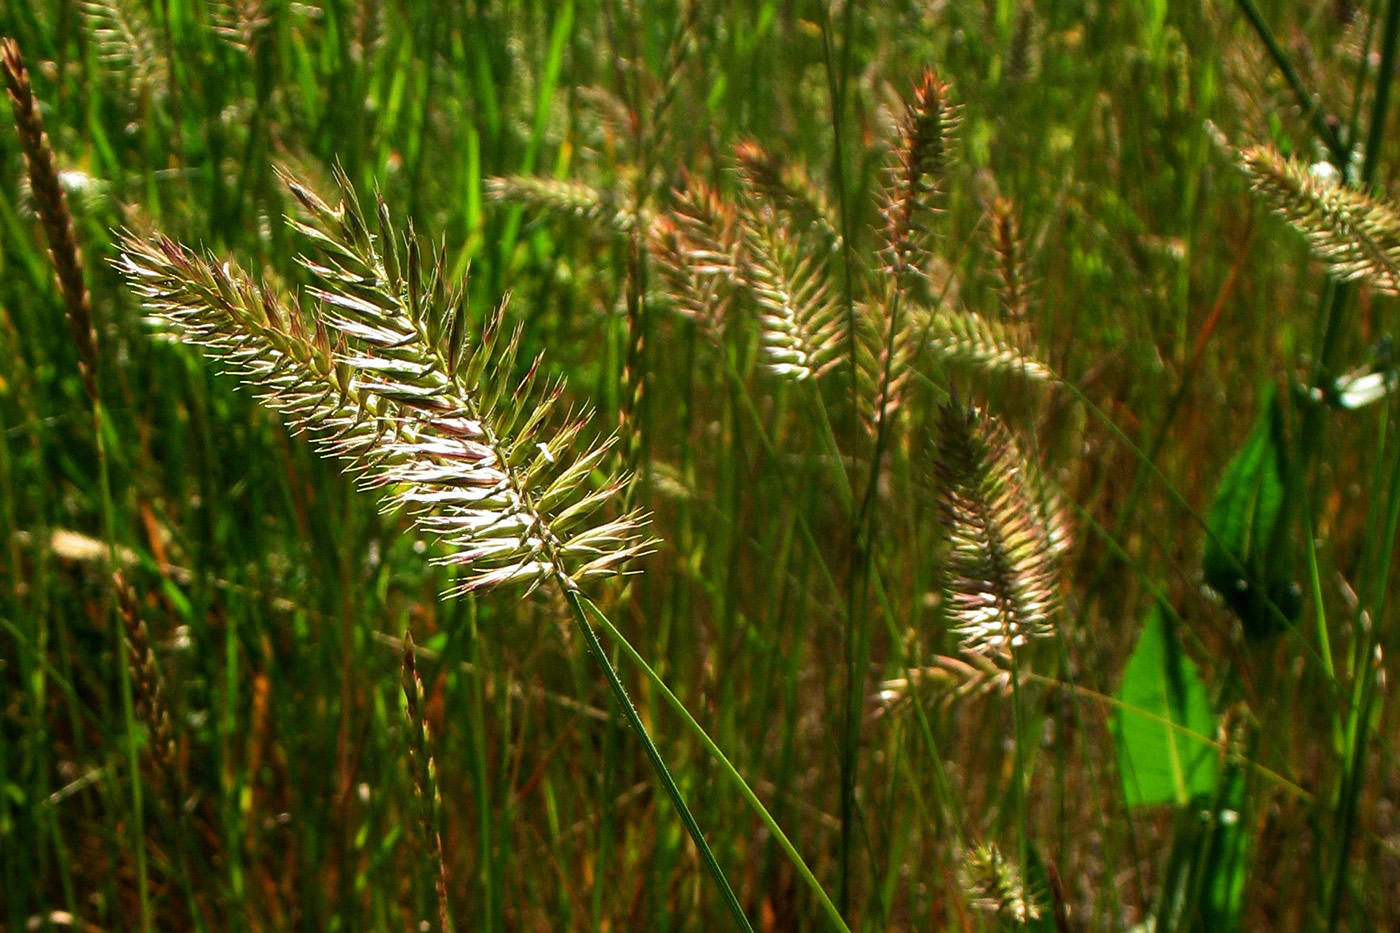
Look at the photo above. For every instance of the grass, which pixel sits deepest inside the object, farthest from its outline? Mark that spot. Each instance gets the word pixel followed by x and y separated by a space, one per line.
pixel 934 436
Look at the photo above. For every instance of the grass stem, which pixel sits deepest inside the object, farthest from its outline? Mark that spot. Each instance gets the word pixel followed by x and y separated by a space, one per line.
pixel 578 603
pixel 720 758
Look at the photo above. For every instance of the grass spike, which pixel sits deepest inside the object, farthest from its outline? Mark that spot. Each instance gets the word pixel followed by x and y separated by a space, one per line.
pixel 241 23
pixel 944 682
pixel 883 337
pixel 122 33
pixel 148 685
pixel 1002 570
pixel 1358 236
pixel 994 884
pixel 799 313
pixel 602 210
pixel 51 204
pixel 696 248
pixel 412 407
pixel 887 343
pixel 967 338
pixel 1010 250
pixel 789 190
pixel 423 767
pixel 630 413
pixel 921 158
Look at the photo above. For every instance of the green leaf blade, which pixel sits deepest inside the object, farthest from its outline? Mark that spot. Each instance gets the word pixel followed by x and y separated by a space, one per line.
pixel 1246 556
pixel 1164 724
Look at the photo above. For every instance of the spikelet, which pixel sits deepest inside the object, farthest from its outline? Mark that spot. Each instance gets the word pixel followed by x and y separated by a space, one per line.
pixel 887 343
pixel 122 33
pixel 241 23
pixel 51 204
pixel 1002 576
pixel 602 210
pixel 790 191
pixel 944 682
pixel 966 338
pixel 423 767
pixel 922 155
pixel 992 883
pixel 1013 287
pixel 799 315
pixel 385 372
pixel 695 246
pixel 1356 235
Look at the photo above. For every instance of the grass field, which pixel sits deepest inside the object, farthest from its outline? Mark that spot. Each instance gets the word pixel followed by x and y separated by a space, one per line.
pixel 988 404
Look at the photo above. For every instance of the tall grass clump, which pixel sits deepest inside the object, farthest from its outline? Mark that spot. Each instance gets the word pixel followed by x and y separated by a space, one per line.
pixel 948 450
pixel 387 374
pixel 851 327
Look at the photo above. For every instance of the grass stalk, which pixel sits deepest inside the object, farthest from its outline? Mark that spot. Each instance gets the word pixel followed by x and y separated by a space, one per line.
pixel 836 76
pixel 580 606
pixel 830 909
pixel 423 766
pixel 51 203
pixel 1368 623
pixel 1323 123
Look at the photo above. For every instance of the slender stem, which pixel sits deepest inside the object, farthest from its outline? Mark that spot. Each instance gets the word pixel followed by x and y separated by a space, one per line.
pixel 1375 133
pixel 1357 732
pixel 578 603
pixel 1340 152
pixel 123 658
pixel 51 204
pixel 836 89
pixel 1364 664
pixel 836 92
pixel 1023 842
pixel 699 732
pixel 1363 698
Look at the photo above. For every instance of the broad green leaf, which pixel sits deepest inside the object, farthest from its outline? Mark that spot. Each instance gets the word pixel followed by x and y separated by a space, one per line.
pixel 1164 727
pixel 1203 881
pixel 1247 559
